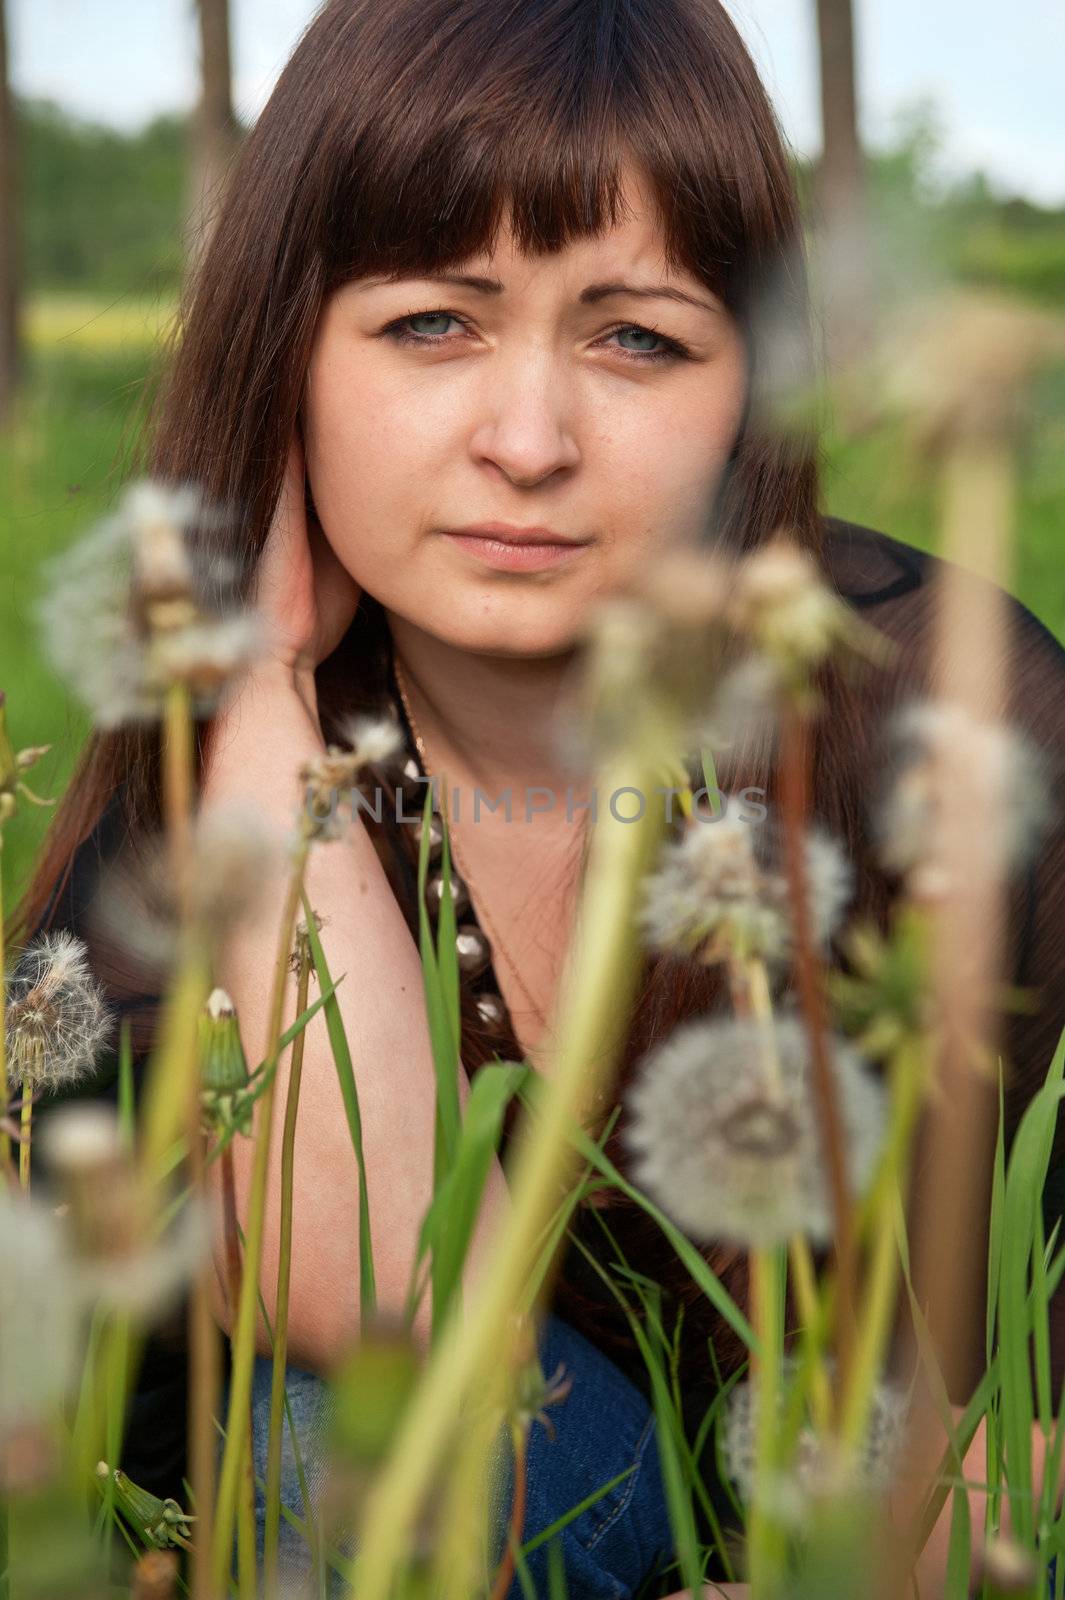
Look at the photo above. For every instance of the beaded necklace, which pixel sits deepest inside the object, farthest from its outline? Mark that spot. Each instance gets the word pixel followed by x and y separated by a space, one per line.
pixel 461 887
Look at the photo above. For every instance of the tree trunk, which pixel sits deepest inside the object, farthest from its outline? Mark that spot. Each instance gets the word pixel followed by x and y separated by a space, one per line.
pixel 841 188
pixel 214 133
pixel 10 344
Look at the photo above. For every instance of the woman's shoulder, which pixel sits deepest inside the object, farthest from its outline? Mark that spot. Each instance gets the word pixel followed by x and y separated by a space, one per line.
pixel 895 584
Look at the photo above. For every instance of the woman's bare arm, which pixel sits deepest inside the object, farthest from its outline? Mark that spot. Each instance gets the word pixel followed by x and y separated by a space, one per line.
pixel 257 743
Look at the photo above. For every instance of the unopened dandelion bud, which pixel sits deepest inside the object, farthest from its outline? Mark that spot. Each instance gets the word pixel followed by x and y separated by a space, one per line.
pixel 223 1066
pixel 160 1522
pixel 94 1172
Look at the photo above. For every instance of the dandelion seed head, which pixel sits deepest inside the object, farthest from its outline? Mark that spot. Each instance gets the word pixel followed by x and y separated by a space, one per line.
pixel 743 708
pixel 206 655
pixel 785 606
pixel 815 1470
pixel 137 604
pixel 57 1023
pixel 235 856
pixel 82 1138
pixel 374 741
pixel 930 740
pixel 720 882
pixel 956 363
pixel 41 1316
pixel 150 1281
pixel 729 1145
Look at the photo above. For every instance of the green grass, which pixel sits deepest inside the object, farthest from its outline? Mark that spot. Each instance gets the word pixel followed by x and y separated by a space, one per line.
pixel 876 481
pixel 62 464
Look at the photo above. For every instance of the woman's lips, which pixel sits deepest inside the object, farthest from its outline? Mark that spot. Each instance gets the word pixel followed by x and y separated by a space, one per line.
pixel 526 557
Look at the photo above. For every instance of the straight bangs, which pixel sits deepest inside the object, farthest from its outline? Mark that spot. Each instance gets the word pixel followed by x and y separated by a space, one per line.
pixel 455 119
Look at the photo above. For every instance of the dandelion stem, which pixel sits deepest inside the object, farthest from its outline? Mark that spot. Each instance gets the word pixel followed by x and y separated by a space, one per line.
pixel 25 1127
pixel 763 1539
pixel 244 1342
pixel 205 1356
pixel 794 786
pixel 760 1000
pixel 520 1438
pixel 813 1314
pixel 6 1175
pixel 277 1390
pixel 878 1297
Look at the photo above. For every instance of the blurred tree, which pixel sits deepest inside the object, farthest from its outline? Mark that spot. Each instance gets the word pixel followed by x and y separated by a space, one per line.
pixel 841 187
pixel 101 210
pixel 10 346
pixel 215 132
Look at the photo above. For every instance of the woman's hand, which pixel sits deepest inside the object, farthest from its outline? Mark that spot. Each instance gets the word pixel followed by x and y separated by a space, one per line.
pixel 301 587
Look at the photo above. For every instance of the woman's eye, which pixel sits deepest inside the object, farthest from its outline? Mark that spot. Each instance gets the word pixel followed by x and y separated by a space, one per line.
pixel 403 331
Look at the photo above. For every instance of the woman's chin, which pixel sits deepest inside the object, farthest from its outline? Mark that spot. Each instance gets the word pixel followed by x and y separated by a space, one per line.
pixel 506 635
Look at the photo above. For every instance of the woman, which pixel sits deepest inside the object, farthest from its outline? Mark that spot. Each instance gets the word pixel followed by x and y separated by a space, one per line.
pixel 484 263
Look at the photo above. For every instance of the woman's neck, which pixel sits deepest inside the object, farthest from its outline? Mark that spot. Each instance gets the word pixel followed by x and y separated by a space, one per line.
pixel 488 721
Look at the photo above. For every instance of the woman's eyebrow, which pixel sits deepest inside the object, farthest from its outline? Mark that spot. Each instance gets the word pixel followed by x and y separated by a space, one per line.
pixel 589 296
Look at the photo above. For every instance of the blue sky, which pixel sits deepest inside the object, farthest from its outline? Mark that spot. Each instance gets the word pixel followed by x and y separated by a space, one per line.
pixel 996 74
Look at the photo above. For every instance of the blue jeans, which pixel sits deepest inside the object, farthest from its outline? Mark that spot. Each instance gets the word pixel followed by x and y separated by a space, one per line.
pixel 603 1427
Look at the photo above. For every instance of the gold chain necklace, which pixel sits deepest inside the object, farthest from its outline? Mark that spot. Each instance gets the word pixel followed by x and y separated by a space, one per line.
pixel 497 943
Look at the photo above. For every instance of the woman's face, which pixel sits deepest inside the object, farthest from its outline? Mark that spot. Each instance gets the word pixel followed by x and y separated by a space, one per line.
pixel 590 393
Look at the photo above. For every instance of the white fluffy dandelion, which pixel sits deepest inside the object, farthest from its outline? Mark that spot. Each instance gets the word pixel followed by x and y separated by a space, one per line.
pixel 722 886
pixel 993 761
pixel 57 1022
pixel 40 1314
pixel 139 604
pixel 234 857
pixel 371 741
pixel 812 1471
pixel 726 1139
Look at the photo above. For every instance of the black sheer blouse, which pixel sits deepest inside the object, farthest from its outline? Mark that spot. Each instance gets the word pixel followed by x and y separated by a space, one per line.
pixel 892 584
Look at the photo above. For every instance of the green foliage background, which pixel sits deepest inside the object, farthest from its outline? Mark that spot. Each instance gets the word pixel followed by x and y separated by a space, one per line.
pixel 102 266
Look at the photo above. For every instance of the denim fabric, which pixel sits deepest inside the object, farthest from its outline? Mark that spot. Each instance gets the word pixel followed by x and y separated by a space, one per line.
pixel 602 1427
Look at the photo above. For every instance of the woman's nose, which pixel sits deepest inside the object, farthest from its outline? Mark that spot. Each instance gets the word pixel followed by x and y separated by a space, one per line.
pixel 525 428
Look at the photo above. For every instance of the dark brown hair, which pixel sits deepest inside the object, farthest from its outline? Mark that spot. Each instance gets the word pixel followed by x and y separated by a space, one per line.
pixel 399 137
